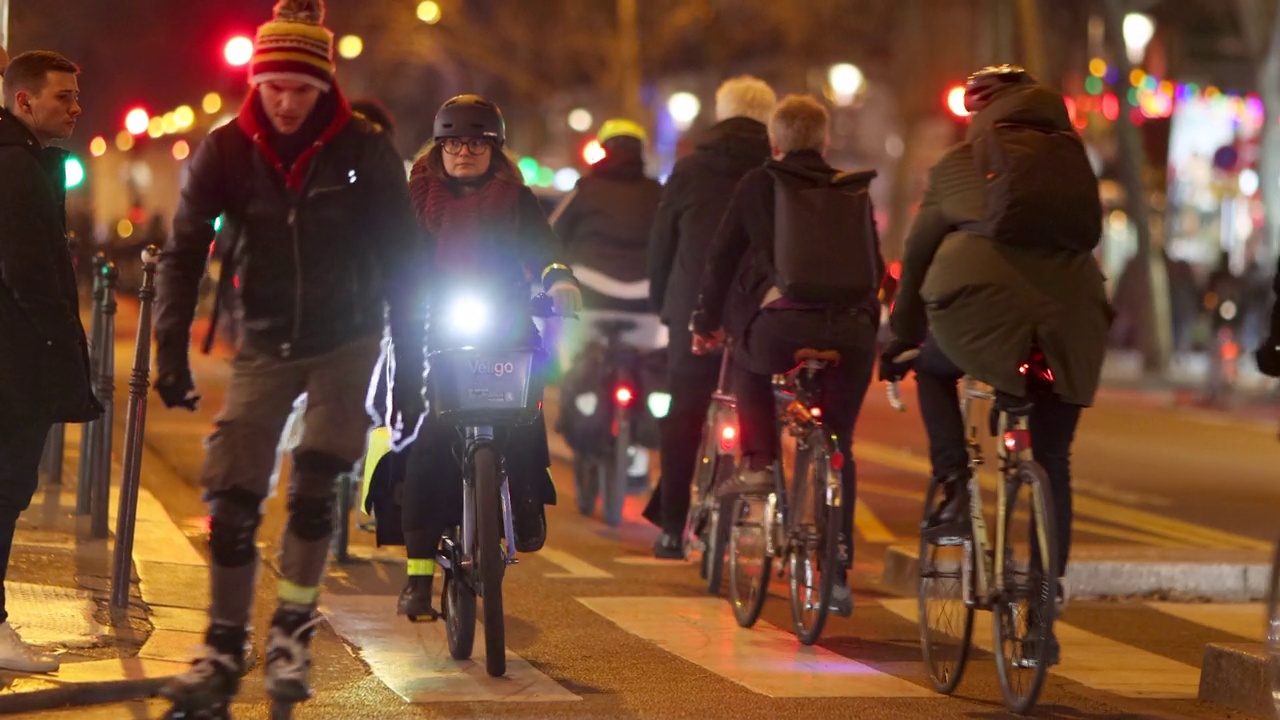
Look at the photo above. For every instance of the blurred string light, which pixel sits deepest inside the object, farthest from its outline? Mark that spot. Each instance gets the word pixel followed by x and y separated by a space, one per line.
pixel 98 146
pixel 169 123
pixel 212 103
pixel 684 108
pixel 429 12
pixel 846 81
pixel 528 170
pixel 184 116
pixel 1155 97
pixel 155 128
pixel 124 141
pixel 181 150
pixel 350 47
pixel 124 229
pixel 580 120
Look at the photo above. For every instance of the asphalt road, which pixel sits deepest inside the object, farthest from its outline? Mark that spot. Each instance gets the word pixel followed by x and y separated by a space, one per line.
pixel 596 629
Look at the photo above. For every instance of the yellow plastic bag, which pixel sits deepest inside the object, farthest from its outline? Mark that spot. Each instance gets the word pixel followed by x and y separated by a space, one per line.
pixel 379 446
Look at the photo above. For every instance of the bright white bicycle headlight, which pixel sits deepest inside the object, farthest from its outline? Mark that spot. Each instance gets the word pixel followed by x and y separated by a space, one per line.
pixel 659 404
pixel 587 403
pixel 468 315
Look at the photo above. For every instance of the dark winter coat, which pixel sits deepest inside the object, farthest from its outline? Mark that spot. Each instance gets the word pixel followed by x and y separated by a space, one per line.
pixel 44 360
pixel 740 268
pixel 986 303
pixel 323 241
pixel 604 225
pixel 693 203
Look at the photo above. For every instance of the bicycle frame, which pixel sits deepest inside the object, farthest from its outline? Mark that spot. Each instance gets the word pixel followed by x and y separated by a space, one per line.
pixel 476 437
pixel 977 547
pixel 795 415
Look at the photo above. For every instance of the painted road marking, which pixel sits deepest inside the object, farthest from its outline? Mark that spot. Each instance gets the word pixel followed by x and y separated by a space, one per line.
pixel 1246 620
pixel 574 568
pixel 764 659
pixel 1094 661
pixel 649 561
pixel 1169 528
pixel 869 526
pixel 412 659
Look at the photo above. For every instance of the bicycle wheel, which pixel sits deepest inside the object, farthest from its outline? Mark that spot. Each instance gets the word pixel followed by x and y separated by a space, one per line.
pixel 1027 602
pixel 489 556
pixel 749 559
pixel 458 601
pixel 814 539
pixel 946 619
pixel 701 501
pixel 1273 628
pixel 615 476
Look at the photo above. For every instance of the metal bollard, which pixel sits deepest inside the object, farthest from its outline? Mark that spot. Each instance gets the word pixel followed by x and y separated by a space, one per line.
pixel 100 482
pixel 135 423
pixel 54 448
pixel 89 430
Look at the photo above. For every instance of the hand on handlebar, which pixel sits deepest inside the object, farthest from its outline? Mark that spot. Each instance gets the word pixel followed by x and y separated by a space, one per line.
pixel 707 344
pixel 896 360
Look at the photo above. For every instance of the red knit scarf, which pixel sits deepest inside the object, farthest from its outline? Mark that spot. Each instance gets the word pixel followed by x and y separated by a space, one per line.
pixel 465 228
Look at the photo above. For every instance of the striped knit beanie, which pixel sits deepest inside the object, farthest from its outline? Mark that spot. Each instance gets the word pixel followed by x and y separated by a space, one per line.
pixel 294 46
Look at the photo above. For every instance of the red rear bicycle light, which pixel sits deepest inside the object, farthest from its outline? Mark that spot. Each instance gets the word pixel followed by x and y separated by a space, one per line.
pixel 1017 440
pixel 624 395
pixel 837 461
pixel 728 438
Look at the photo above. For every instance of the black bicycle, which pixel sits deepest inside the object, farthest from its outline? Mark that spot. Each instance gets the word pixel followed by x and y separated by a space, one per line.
pixel 484 378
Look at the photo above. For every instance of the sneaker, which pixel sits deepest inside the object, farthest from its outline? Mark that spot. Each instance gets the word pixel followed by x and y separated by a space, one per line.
pixel 18 656
pixel 841 600
pixel 668 546
pixel 415 599
pixel 289 654
pixel 531 527
pixel 748 482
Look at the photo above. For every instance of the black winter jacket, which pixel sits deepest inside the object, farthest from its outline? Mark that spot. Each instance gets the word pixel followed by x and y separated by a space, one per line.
pixel 44 360
pixel 604 225
pixel 693 202
pixel 320 246
pixel 740 268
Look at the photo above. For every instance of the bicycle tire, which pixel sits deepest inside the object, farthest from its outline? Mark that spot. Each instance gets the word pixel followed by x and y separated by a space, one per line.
pixel 1040 594
pixel 458 601
pixel 342 523
pixel 812 463
pixel 1273 628
pixel 746 609
pixel 699 517
pixel 614 492
pixel 489 556
pixel 944 676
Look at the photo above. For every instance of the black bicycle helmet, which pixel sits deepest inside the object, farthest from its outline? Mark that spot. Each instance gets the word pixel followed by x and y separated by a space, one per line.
pixel 470 116
pixel 983 85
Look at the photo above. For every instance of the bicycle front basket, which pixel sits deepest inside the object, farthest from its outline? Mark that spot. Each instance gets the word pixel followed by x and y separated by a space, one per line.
pixel 476 386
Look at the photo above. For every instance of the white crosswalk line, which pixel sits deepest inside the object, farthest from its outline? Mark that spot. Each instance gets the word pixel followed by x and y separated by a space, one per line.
pixel 763 659
pixel 1247 620
pixel 413 659
pixel 574 567
pixel 1093 660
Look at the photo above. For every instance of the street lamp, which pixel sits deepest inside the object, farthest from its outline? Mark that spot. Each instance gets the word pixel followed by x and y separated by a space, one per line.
pixel 239 51
pixel 1138 29
pixel 580 120
pixel 683 108
pixel 350 47
pixel 429 12
pixel 846 81
pixel 136 121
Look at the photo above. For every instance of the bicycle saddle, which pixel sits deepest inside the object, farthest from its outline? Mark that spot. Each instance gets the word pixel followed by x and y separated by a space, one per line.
pixel 804 355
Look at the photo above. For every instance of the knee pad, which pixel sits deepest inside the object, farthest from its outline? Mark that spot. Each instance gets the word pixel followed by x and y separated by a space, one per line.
pixel 311 516
pixel 233 526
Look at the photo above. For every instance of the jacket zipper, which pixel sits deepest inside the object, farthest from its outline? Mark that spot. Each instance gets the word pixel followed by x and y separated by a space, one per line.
pixel 287 348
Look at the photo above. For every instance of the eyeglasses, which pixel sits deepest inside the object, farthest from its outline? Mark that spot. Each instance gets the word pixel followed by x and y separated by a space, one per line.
pixel 476 146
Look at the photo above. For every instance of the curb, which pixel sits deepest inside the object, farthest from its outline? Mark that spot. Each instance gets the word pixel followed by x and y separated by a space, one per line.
pixel 79 694
pixel 1236 676
pixel 1110 571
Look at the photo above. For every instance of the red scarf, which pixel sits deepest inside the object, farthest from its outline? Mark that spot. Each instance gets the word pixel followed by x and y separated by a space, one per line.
pixel 467 228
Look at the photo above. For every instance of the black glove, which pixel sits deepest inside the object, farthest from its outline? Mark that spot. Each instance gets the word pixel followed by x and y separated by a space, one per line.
pixel 1268 356
pixel 176 388
pixel 896 360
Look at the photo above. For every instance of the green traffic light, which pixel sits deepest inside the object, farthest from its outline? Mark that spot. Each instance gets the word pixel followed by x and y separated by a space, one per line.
pixel 74 171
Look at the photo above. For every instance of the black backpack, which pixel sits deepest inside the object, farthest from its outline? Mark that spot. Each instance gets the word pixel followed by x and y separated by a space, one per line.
pixel 1040 189
pixel 825 248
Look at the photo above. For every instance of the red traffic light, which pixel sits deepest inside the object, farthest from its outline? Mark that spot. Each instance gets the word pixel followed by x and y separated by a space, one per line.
pixel 239 51
pixel 955 101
